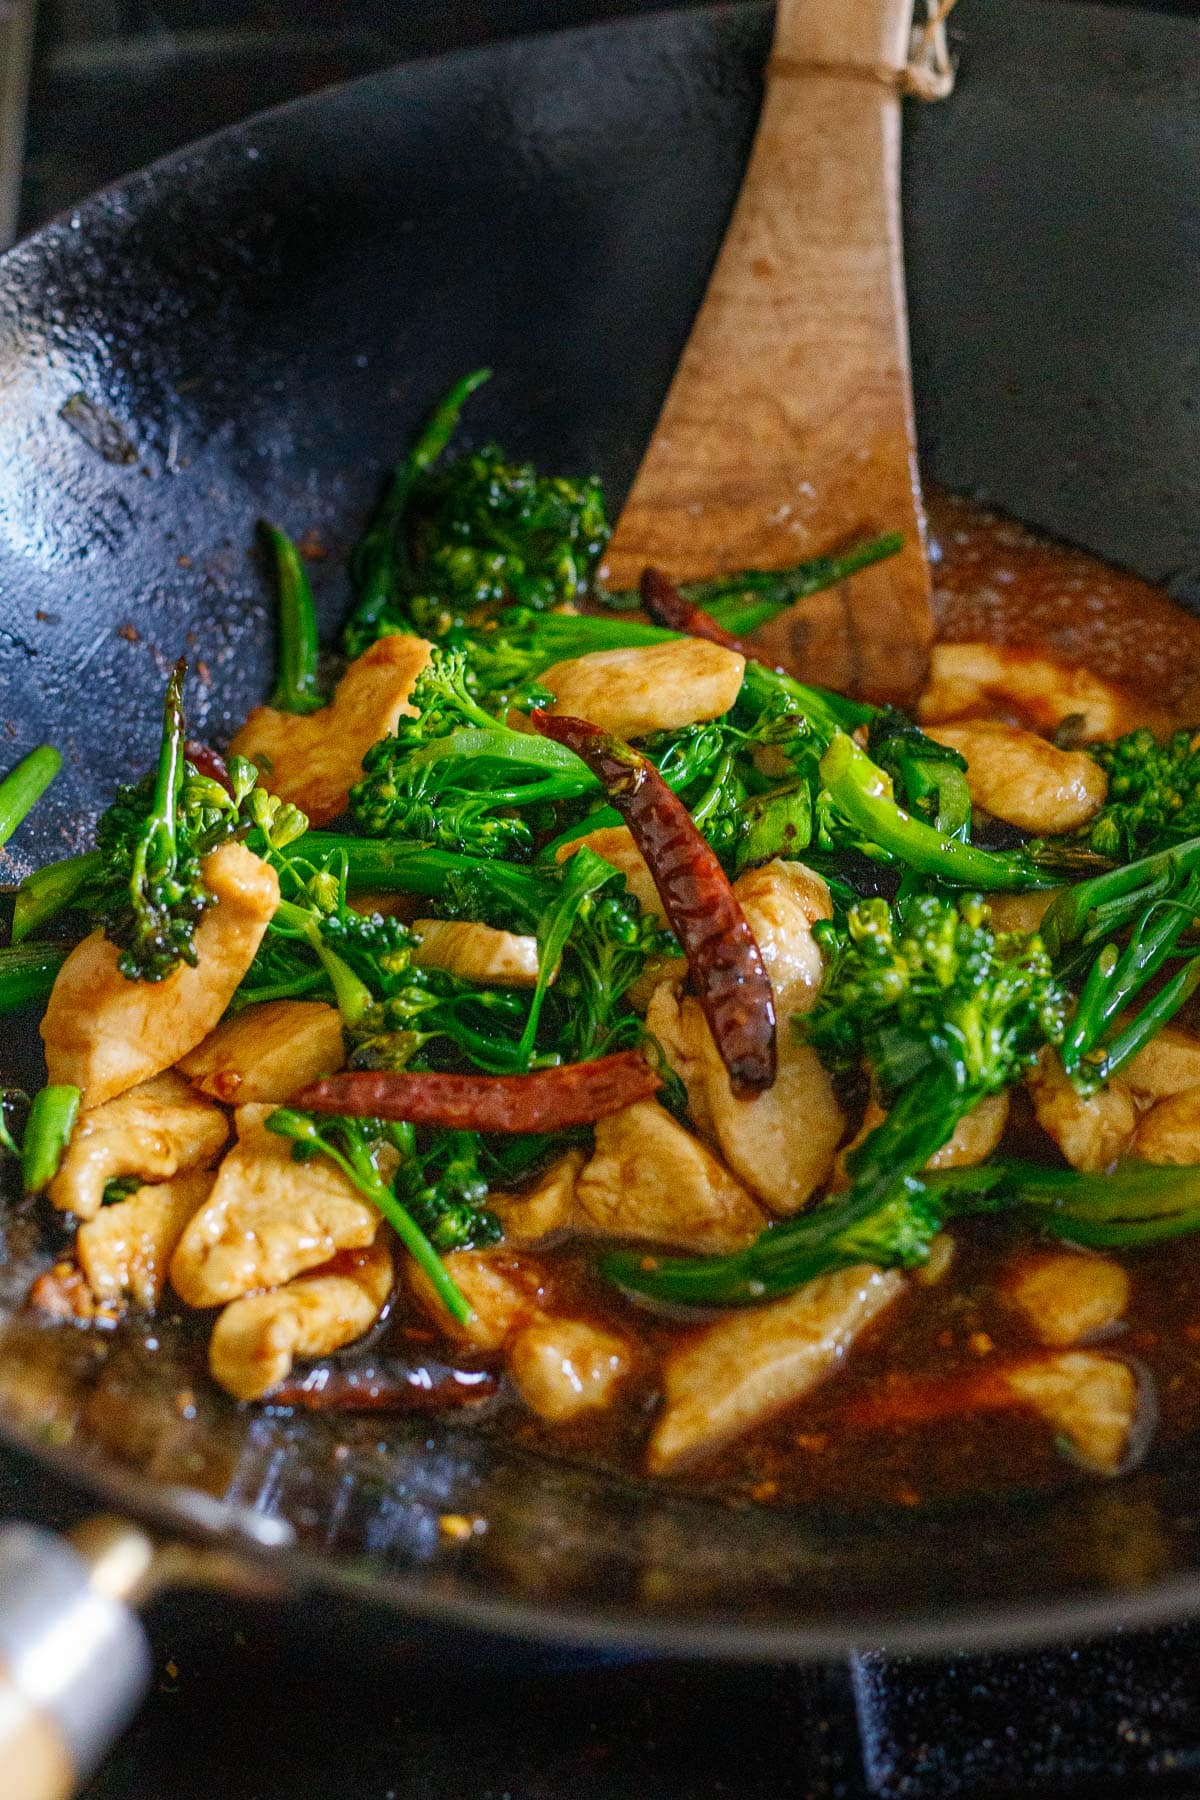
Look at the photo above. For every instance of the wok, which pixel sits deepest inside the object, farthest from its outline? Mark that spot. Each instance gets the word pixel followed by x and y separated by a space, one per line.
pixel 254 327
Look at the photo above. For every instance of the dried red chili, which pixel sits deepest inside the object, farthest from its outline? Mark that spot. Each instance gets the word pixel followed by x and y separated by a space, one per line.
pixel 208 762
pixel 386 1385
pixel 726 967
pixel 547 1100
pixel 667 606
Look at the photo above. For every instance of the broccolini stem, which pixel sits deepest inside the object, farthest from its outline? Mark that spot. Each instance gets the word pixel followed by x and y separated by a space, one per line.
pixel 1116 977
pixel 296 688
pixel 353 996
pixel 743 602
pixel 24 786
pixel 47 892
pixel 826 712
pixel 859 789
pixel 27 973
pixel 1158 1012
pixel 381 555
pixel 156 845
pixel 1105 903
pixel 367 1179
pixel 47 1134
pixel 391 866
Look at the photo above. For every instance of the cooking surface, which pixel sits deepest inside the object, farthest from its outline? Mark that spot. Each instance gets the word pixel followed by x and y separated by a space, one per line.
pixel 233 1712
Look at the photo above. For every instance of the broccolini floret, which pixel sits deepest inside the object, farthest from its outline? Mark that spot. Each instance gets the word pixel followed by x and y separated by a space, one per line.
pixel 454 775
pixel 1153 794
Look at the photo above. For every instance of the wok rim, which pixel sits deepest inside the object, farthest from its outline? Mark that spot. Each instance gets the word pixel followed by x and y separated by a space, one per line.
pixel 288 1571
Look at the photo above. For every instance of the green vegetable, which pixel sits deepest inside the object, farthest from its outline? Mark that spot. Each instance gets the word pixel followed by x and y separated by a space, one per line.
pixel 12 1100
pixel 296 687
pixel 1135 1204
pixel 444 1189
pixel 860 793
pixel 47 1133
pixel 24 786
pixel 50 890
pixel 743 602
pixel 27 973
pixel 452 775
pixel 1153 794
pixel 941 1009
pixel 477 532
pixel 930 778
pixel 359 1147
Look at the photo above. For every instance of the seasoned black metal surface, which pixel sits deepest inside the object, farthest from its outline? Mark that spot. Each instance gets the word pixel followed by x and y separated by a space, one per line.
pixel 254 327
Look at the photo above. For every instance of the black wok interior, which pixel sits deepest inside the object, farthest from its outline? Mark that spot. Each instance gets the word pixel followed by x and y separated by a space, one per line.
pixel 255 326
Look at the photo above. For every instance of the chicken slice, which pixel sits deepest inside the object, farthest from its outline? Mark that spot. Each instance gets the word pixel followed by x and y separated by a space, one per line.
pixel 973 681
pixel 781 1142
pixel 1023 779
pixel 1068 1295
pixel 752 1364
pixel 258 1338
pixel 503 1291
pixel 1093 1131
pixel 615 844
pixel 104 1034
pixel 477 952
pixel 975 1136
pixel 126 1249
pixel 268 1052
pixel 782 902
pixel 268 1218
pixel 565 1367
pixel 678 1026
pixel 1169 1064
pixel 314 759
pixel 155 1131
pixel 1170 1131
pixel 1089 1401
pixel 659 688
pixel 651 1180
pixel 1020 912
pixel 546 1208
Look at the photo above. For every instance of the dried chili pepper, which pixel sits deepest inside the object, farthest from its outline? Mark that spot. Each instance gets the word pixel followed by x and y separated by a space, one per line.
pixel 386 1384
pixel 208 762
pixel 667 606
pixel 727 969
pixel 547 1100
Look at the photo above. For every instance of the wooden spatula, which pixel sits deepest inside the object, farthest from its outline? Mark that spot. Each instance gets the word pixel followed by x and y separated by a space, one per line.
pixel 788 429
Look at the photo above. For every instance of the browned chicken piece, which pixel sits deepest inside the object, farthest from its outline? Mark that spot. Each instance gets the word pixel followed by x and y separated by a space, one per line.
pixel 257 1339
pixel 749 1366
pixel 651 1180
pixel 659 688
pixel 1092 1132
pixel 1023 779
pixel 126 1250
pixel 782 1142
pixel 155 1131
pixel 1088 1400
pixel 1169 1064
pixel 979 681
pixel 782 902
pixel 314 759
pixel 975 1136
pixel 1068 1295
pixel 678 1026
pixel 1170 1131
pixel 268 1218
pixel 64 1294
pixel 477 952
pixel 504 1292
pixel 268 1052
pixel 615 844
pixel 565 1367
pixel 1019 912
pixel 104 1034
pixel 545 1208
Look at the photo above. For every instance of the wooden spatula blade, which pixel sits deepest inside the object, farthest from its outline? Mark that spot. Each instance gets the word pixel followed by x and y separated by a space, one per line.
pixel 788 429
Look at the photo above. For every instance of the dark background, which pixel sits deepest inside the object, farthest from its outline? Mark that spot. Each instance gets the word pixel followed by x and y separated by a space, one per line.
pixel 238 1712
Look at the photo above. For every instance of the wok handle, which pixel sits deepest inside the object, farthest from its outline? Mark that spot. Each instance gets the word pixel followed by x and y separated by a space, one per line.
pixel 74 1659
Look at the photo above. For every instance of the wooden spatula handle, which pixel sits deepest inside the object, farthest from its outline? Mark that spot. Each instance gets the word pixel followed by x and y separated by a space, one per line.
pixel 788 428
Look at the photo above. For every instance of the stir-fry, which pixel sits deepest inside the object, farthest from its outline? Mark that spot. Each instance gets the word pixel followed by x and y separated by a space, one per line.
pixel 711 1070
